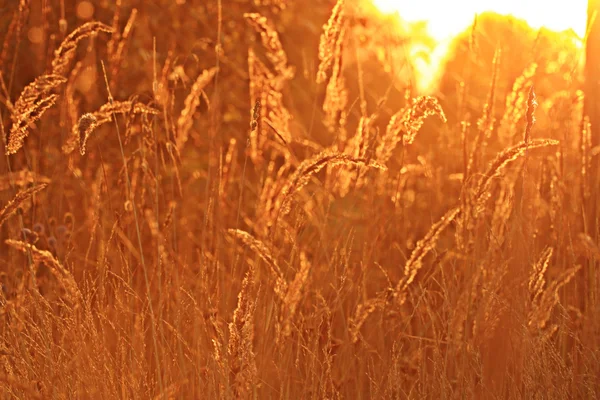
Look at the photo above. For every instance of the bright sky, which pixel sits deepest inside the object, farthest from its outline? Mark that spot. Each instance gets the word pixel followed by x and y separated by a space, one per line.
pixel 449 17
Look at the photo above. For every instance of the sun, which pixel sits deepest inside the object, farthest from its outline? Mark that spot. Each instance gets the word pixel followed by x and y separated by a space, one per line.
pixel 445 19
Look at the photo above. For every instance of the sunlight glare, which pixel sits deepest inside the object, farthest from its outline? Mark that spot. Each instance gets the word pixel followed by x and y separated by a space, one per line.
pixel 446 19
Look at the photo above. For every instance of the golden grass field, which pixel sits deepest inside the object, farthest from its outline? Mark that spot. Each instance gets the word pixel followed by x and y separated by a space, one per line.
pixel 251 199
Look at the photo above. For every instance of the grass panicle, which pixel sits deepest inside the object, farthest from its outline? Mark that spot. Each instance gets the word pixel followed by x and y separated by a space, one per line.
pixel 33 102
pixel 329 39
pixel 406 123
pixel 310 167
pixel 66 51
pixel 89 122
pixel 22 196
pixel 423 247
pixel 192 101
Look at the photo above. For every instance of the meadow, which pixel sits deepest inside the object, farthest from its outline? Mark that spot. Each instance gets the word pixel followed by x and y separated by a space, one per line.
pixel 257 199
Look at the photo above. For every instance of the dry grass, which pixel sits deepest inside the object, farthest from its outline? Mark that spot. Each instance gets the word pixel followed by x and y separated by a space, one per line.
pixel 13 205
pixel 35 99
pixel 266 207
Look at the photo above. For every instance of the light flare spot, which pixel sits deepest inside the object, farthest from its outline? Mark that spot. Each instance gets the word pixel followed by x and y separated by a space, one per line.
pixel 85 10
pixel 35 35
